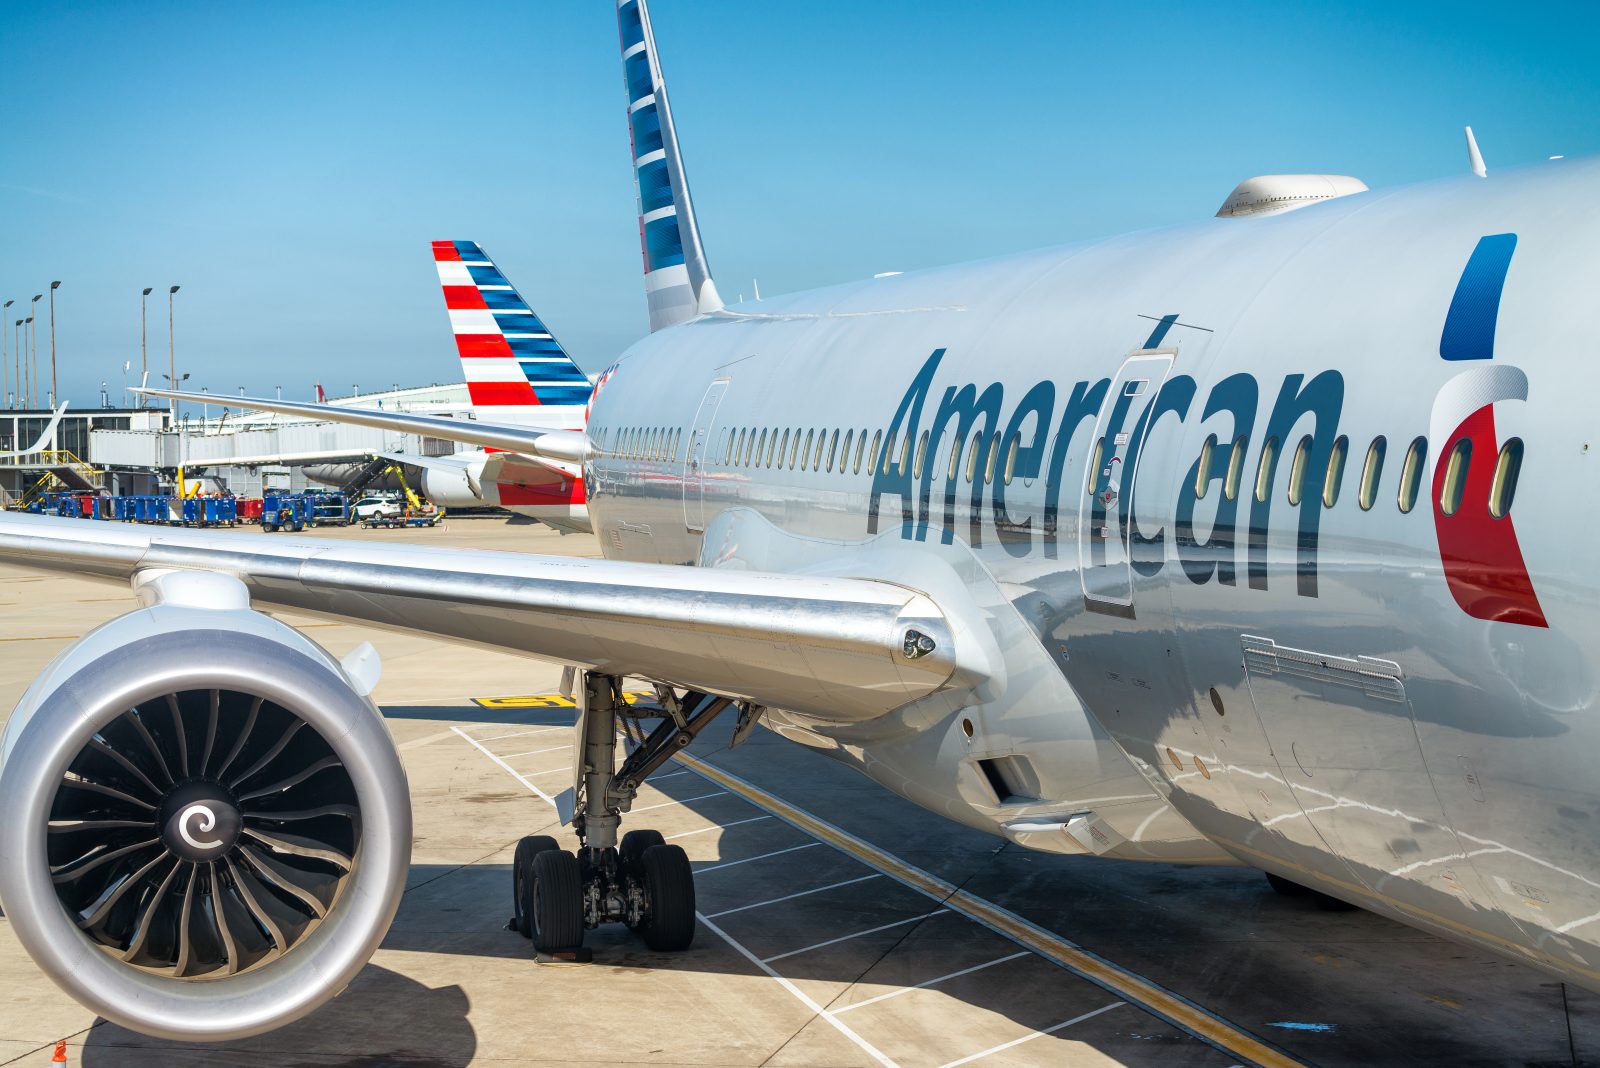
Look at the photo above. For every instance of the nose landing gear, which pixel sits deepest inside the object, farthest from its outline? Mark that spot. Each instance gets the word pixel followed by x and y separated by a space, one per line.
pixel 642 880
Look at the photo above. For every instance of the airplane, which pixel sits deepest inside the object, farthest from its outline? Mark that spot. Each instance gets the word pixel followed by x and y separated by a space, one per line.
pixel 516 372
pixel 1201 545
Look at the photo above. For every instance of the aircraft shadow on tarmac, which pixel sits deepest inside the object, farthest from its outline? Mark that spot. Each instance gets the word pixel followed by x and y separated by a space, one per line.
pixel 1216 935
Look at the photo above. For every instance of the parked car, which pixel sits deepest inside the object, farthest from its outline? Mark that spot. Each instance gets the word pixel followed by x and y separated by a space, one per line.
pixel 369 508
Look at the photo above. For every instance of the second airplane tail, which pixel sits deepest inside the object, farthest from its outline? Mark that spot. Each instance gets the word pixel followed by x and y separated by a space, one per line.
pixel 513 364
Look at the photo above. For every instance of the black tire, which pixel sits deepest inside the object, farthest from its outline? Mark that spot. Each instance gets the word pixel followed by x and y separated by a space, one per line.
pixel 669 885
pixel 269 528
pixel 1285 887
pixel 521 874
pixel 634 843
pixel 1328 903
pixel 555 904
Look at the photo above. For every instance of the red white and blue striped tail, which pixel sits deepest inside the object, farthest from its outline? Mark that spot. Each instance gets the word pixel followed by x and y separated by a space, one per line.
pixel 513 364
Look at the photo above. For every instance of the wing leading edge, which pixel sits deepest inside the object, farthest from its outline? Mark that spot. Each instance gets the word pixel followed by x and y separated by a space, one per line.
pixel 832 648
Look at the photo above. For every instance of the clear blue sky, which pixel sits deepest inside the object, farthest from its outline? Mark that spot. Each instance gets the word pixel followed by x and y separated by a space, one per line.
pixel 288 163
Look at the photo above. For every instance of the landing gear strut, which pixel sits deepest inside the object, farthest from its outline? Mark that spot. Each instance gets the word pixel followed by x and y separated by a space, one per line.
pixel 641 880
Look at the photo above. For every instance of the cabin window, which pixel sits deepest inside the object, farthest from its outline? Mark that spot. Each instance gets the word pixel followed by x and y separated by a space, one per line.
pixel 761 447
pixel 1506 470
pixel 816 457
pixel 805 450
pixel 922 456
pixel 1297 470
pixel 1269 459
pixel 738 450
pixel 794 450
pixel 1095 474
pixel 1371 471
pixel 727 452
pixel 1011 457
pixel 1230 485
pixel 955 459
pixel 1202 469
pixel 844 455
pixel 1411 474
pixel 974 454
pixel 1455 476
pixel 872 454
pixel 833 449
pixel 1335 475
pixel 994 457
pixel 783 447
pixel 677 440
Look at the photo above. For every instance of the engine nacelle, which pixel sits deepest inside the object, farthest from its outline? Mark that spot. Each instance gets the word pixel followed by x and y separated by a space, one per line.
pixel 452 487
pixel 207 826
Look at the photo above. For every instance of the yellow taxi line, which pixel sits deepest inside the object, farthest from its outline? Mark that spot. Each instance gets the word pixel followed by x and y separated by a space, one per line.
pixel 1176 1010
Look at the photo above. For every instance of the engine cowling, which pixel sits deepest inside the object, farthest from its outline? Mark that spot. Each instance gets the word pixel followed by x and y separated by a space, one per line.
pixel 455 487
pixel 207 826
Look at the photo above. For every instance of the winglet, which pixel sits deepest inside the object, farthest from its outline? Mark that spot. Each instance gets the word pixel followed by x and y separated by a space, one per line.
pixel 1474 157
pixel 678 284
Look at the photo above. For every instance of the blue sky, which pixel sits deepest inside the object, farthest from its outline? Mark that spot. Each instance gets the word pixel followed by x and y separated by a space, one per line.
pixel 288 163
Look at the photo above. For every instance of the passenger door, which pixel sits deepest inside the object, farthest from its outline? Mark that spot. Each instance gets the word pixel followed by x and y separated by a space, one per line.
pixel 694 462
pixel 1104 564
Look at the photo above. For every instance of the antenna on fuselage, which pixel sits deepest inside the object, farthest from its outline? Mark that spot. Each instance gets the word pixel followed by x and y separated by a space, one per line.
pixel 1474 157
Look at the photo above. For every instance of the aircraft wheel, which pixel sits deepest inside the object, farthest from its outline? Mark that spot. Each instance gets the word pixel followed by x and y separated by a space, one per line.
pixel 1329 903
pixel 522 876
pixel 634 843
pixel 1285 887
pixel 669 883
pixel 555 901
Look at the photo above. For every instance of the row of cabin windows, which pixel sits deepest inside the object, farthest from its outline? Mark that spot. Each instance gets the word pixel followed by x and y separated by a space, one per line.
pixel 793 449
pixel 1507 467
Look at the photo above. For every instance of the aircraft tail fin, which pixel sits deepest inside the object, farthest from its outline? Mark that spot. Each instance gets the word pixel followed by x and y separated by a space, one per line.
pixel 511 360
pixel 677 279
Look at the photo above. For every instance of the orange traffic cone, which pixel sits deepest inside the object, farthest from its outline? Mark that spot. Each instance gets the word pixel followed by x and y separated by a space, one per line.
pixel 61 1053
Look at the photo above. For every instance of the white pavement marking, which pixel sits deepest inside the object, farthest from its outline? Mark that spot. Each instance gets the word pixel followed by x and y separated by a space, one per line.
pixel 791 897
pixel 759 856
pixel 429 739
pixel 509 770
pixel 932 982
pixel 857 934
pixel 716 827
pixel 669 775
pixel 1036 1034
pixel 800 995
pixel 685 801
pixel 513 734
pixel 536 752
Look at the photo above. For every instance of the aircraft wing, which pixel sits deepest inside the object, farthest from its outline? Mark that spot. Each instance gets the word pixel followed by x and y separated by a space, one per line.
pixel 569 445
pixel 840 649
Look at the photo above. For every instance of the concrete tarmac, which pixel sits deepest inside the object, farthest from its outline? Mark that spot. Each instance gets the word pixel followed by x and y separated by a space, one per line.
pixel 816 946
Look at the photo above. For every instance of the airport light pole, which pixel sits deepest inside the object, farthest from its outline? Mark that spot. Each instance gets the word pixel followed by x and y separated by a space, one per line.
pixel 144 361
pixel 53 394
pixel 5 362
pixel 33 360
pixel 172 366
pixel 17 347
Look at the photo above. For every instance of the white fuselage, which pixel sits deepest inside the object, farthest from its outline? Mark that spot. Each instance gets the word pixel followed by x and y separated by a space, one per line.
pixel 1397 707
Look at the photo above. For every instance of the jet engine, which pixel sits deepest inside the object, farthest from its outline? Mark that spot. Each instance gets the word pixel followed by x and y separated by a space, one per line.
pixel 455 487
pixel 207 826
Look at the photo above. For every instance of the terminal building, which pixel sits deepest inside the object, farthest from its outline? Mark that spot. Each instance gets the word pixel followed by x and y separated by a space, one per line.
pixel 139 450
